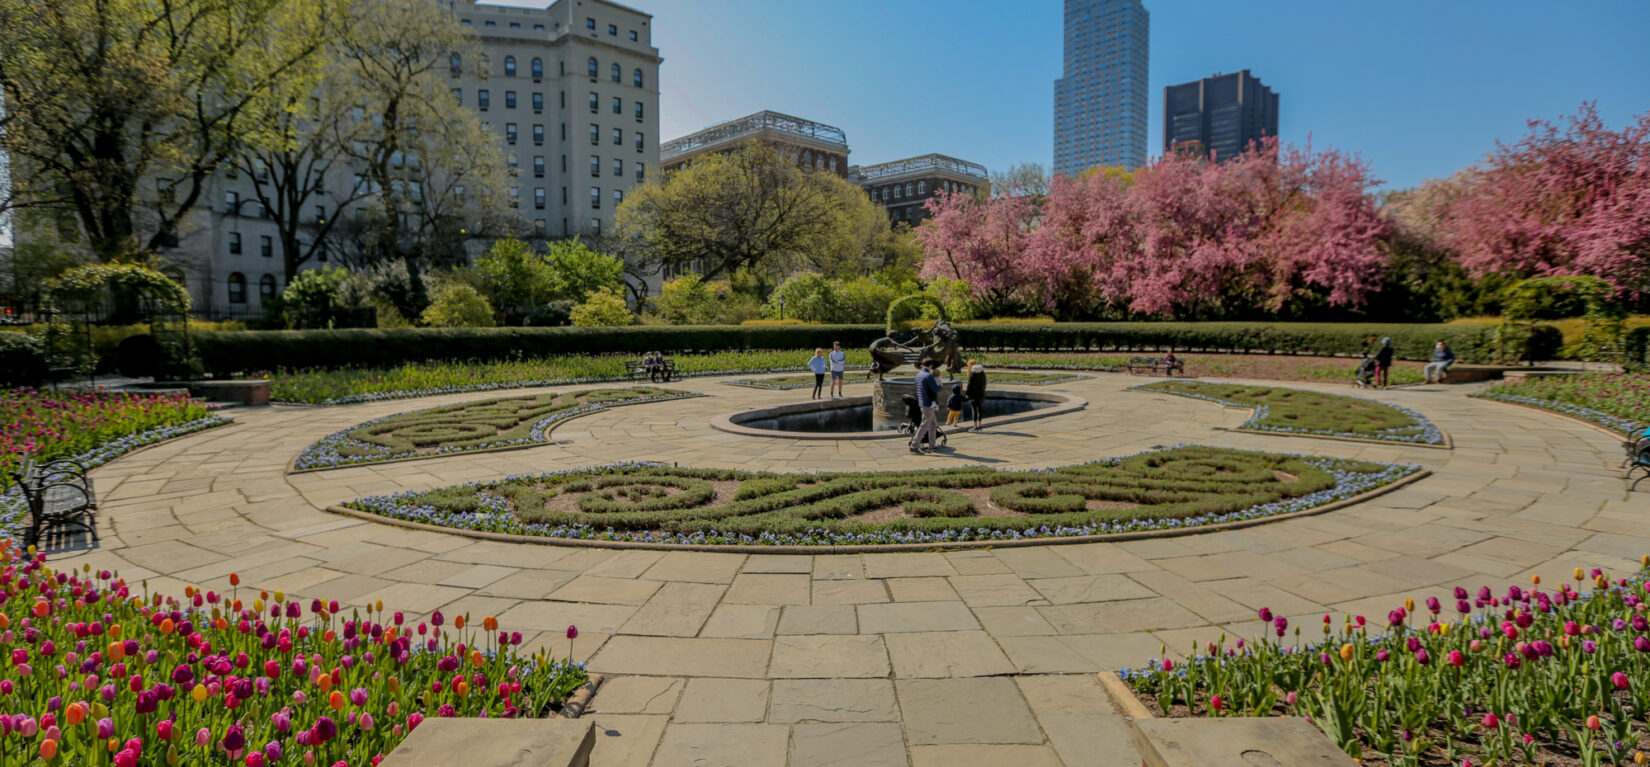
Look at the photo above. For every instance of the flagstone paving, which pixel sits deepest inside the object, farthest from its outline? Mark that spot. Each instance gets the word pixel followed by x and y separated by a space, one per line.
pixel 935 658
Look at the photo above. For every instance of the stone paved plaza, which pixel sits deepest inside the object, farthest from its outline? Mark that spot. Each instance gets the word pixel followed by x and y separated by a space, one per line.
pixel 952 658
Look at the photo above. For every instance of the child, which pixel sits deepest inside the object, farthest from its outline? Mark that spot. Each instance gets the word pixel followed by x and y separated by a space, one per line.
pixel 954 405
pixel 1365 372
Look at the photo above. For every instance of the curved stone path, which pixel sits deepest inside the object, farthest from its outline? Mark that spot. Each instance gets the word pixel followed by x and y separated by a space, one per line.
pixel 958 658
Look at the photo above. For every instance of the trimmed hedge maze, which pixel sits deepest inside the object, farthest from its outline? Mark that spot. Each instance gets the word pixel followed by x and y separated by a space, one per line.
pixel 483 425
pixel 995 377
pixel 1296 411
pixel 1164 489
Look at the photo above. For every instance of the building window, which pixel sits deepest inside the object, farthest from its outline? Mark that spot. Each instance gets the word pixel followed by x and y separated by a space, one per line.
pixel 234 243
pixel 538 135
pixel 484 99
pixel 509 99
pixel 636 76
pixel 515 196
pixel 538 102
pixel 908 190
pixel 633 37
pixel 612 30
pixel 510 133
pixel 455 63
pixel 538 226
pixel 641 172
pixel 595 198
pixel 237 288
pixel 232 203
pixel 266 287
pixel 510 61
pixel 618 105
pixel 595 102
pixel 489 24
pixel 922 187
pixel 458 95
pixel 513 163
pixel 595 226
pixel 595 166
pixel 538 64
pixel 595 133
pixel 591 66
pixel 320 214
pixel 618 167
pixel 618 137
pixel 833 164
pixel 589 23
pixel 538 197
pixel 266 246
pixel 514 25
pixel 613 72
pixel 618 198
pixel 538 166
pixel 639 110
pixel 639 141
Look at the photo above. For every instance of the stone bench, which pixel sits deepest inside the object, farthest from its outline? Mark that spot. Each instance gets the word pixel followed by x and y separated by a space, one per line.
pixel 496 743
pixel 253 392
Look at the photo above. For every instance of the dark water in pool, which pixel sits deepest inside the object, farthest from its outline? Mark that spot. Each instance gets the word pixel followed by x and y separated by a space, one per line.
pixel 852 418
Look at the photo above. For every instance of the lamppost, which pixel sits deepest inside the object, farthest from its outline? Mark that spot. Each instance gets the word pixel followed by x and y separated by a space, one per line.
pixel 781 307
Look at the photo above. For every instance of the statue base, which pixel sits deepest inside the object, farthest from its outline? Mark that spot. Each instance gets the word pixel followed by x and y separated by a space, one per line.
pixel 887 403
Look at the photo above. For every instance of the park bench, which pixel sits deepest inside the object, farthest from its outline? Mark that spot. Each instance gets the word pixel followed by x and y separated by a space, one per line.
pixel 60 498
pixel 1637 447
pixel 1154 365
pixel 637 372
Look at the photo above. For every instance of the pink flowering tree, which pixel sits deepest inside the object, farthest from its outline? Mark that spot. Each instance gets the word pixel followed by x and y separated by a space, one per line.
pixel 1568 199
pixel 980 242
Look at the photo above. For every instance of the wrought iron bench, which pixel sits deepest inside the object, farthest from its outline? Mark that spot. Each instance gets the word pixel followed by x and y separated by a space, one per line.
pixel 1637 447
pixel 60 499
pixel 1154 365
pixel 636 372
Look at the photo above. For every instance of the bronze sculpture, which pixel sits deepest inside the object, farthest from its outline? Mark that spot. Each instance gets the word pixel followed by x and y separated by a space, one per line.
pixel 938 344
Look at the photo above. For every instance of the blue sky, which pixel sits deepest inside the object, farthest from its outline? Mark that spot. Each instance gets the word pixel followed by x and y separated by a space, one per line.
pixel 1420 89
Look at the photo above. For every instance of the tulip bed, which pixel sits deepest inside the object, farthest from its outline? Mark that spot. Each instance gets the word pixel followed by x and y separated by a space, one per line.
pixel 806 380
pixel 103 673
pixel 52 425
pixel 1164 489
pixel 1529 676
pixel 1295 411
pixel 1619 401
pixel 483 425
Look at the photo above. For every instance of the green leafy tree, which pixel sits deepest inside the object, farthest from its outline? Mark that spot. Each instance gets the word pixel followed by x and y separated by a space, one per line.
pixel 604 307
pixel 310 297
pixel 865 300
pixel 691 300
pixel 574 271
pixel 513 278
pixel 806 296
pixel 457 305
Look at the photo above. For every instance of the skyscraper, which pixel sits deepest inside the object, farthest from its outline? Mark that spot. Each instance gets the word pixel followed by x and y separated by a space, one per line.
pixel 1220 114
pixel 1100 104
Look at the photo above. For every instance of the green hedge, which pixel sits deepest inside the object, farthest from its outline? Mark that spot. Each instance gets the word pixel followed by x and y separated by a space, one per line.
pixel 22 360
pixel 226 353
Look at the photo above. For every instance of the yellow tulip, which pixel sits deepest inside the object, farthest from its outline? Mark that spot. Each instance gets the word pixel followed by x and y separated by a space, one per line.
pixel 1346 651
pixel 198 694
pixel 280 597
pixel 1580 574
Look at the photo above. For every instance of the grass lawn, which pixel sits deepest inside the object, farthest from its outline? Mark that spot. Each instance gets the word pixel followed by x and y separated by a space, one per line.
pixel 483 425
pixel 1296 411
pixel 1161 489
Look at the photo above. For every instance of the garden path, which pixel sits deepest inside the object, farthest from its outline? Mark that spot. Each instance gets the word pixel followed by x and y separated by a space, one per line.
pixel 957 658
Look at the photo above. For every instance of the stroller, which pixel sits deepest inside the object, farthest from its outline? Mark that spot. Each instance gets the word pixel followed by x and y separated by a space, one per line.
pixel 1365 374
pixel 913 421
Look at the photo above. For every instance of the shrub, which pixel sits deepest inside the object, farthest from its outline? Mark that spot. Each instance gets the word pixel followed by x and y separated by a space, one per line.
pixel 22 360
pixel 601 309
pixel 457 305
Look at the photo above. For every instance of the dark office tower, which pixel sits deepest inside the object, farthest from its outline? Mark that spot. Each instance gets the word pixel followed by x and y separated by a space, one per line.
pixel 1220 114
pixel 1100 105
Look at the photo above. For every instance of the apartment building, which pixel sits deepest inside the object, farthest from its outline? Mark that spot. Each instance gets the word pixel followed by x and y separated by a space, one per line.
pixel 1222 114
pixel 1100 104
pixel 809 144
pixel 904 187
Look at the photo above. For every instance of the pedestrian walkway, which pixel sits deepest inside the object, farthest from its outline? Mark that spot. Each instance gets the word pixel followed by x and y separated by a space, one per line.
pixel 956 658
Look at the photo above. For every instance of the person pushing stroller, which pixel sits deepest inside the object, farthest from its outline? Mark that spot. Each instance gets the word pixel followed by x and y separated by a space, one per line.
pixel 913 421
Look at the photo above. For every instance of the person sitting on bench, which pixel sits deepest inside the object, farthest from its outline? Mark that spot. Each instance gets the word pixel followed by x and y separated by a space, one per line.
pixel 1170 364
pixel 1442 358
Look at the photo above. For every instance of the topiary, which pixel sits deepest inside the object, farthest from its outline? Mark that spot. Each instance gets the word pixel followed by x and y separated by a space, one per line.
pixel 916 306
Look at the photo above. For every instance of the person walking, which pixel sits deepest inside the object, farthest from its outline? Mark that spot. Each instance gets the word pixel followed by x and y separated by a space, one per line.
pixel 839 367
pixel 928 398
pixel 1383 362
pixel 1442 358
pixel 975 390
pixel 818 364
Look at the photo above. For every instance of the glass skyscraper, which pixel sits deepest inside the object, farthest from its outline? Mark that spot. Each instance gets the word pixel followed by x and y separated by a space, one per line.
pixel 1100 104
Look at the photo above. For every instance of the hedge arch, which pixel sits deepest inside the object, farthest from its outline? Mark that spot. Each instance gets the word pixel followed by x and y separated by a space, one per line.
pixel 903 310
pixel 84 284
pixel 75 299
pixel 1604 327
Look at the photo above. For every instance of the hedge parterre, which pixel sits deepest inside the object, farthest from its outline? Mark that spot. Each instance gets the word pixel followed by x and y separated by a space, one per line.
pixel 996 377
pixel 483 425
pixel 1174 488
pixel 1529 676
pixel 102 672
pixel 1619 401
pixel 1296 411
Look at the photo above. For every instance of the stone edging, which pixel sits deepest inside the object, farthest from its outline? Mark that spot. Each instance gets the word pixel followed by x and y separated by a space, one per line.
pixel 1122 698
pixel 292 466
pixel 729 548
pixel 580 699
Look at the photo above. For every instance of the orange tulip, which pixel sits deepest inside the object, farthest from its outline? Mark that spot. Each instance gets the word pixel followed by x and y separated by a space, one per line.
pixel 167 627
pixel 1536 579
pixel 5 622
pixel 489 623
pixel 324 681
pixel 42 608
pixel 335 700
pixel 48 750
pixel 234 579
pixel 117 651
pixel 475 658
pixel 75 714
pixel 464 689
pixel 395 684
pixel 458 622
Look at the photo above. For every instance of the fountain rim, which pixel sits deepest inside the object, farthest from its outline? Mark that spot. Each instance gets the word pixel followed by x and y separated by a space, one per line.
pixel 1063 403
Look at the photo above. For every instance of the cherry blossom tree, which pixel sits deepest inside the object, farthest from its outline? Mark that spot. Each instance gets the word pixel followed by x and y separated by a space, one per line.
pixel 1566 199
pixel 980 242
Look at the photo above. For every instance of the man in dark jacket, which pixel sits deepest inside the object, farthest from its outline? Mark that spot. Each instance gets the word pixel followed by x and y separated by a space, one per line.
pixel 1383 362
pixel 928 398
pixel 1442 358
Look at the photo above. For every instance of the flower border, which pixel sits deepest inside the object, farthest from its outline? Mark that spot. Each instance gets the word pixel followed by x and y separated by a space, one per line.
pixel 397 506
pixel 1597 417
